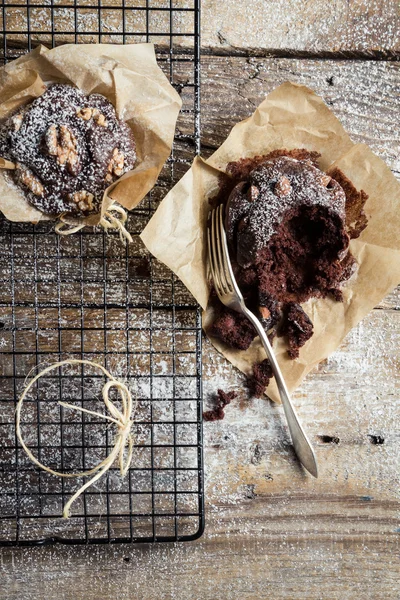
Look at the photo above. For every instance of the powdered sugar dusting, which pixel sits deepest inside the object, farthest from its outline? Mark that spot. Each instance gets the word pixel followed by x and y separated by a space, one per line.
pixel 79 162
pixel 313 26
pixel 262 214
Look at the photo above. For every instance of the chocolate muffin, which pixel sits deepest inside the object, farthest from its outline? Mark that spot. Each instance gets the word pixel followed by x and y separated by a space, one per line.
pixel 288 227
pixel 68 148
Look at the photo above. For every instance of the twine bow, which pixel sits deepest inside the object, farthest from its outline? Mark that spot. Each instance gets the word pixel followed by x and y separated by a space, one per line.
pixel 121 418
pixel 107 221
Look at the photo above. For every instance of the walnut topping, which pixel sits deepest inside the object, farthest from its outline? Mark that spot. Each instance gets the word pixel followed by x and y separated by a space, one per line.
pixel 282 187
pixel 52 140
pixel 116 165
pixel 100 119
pixel 264 312
pixel 92 113
pixel 62 143
pixel 253 193
pixel 17 121
pixel 325 180
pixel 85 113
pixel 83 199
pixel 30 180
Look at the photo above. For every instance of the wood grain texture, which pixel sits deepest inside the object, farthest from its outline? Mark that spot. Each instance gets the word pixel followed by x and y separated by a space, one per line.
pixel 364 95
pixel 363 27
pixel 272 531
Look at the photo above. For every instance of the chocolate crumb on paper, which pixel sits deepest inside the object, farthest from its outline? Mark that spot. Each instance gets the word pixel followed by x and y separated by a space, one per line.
pixel 288 233
pixel 291 116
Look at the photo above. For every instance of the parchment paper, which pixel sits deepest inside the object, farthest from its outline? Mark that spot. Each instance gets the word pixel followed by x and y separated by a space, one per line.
pixel 290 117
pixel 129 77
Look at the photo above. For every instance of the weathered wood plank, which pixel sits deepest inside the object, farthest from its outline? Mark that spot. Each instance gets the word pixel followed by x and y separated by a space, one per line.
pixel 253 565
pixel 363 95
pixel 271 530
pixel 313 26
pixel 368 28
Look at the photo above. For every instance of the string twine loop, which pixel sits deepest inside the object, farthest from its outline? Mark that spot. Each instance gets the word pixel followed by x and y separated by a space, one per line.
pixel 123 445
pixel 107 221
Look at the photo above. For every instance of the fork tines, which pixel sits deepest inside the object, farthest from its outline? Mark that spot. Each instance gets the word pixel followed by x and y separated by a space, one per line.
pixel 218 253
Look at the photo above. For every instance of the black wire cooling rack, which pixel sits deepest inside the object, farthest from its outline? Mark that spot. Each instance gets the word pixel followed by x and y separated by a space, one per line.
pixel 87 296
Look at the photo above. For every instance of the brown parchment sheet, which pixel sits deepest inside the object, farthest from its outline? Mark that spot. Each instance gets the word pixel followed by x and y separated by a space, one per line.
pixel 129 77
pixel 291 116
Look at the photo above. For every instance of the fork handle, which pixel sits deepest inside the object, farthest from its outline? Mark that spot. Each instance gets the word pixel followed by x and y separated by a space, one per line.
pixel 300 440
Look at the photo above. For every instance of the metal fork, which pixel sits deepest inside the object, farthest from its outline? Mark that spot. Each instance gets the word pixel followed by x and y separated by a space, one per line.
pixel 230 295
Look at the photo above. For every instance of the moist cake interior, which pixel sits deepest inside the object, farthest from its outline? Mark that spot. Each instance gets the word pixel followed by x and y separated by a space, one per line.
pixel 288 227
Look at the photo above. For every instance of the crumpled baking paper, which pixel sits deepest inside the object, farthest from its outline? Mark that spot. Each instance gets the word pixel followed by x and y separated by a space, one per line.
pixel 129 77
pixel 291 116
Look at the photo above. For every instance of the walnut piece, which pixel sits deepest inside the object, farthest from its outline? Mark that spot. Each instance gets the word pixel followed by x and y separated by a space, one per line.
pixel 116 165
pixel 100 119
pixel 325 180
pixel 282 187
pixel 52 140
pixel 83 199
pixel 84 113
pixel 92 113
pixel 253 193
pixel 30 180
pixel 62 144
pixel 264 312
pixel 17 121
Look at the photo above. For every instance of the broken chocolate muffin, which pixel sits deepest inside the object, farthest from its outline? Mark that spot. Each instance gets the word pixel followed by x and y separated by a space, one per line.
pixel 68 148
pixel 288 227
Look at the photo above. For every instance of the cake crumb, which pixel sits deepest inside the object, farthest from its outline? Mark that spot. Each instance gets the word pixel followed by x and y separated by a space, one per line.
pixel 233 329
pixel 262 373
pixel 222 399
pixel 356 219
pixel 297 327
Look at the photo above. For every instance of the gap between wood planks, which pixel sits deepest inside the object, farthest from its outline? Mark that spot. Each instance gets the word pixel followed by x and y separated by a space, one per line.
pixel 232 51
pixel 381 55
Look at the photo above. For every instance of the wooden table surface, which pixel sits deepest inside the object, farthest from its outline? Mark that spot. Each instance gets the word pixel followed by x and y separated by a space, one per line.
pixel 272 531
